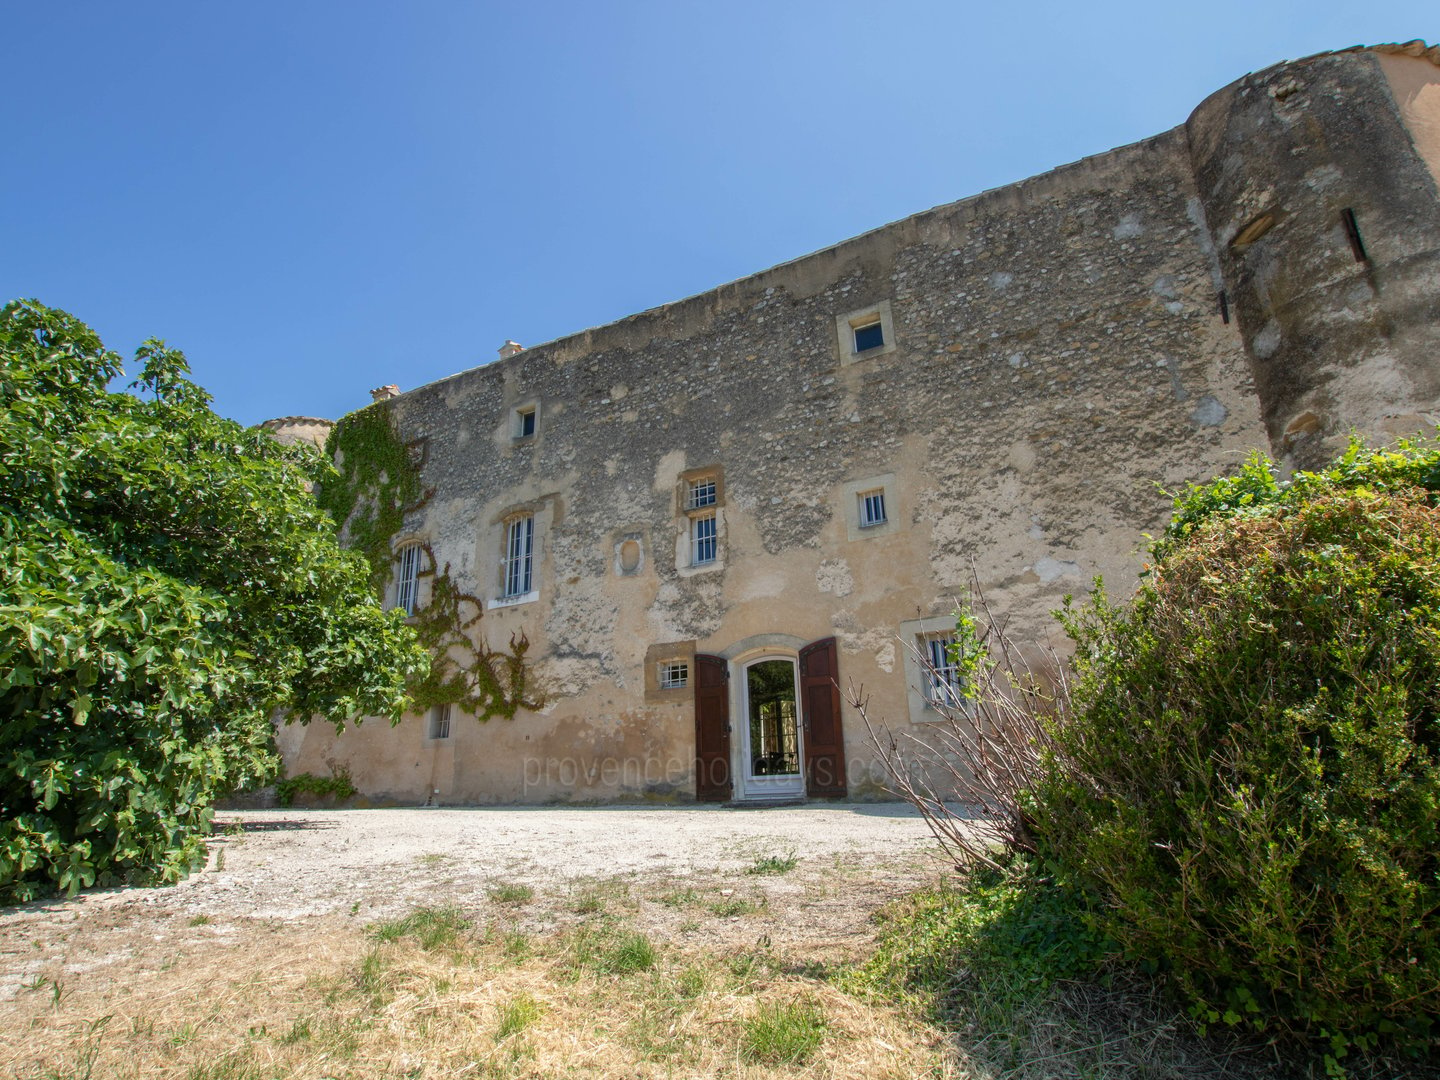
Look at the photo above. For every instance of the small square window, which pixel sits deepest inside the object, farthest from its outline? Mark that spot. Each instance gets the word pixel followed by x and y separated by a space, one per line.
pixel 869 336
pixel 703 539
pixel 440 722
pixel 525 422
pixel 700 493
pixel 865 334
pixel 674 675
pixel 872 508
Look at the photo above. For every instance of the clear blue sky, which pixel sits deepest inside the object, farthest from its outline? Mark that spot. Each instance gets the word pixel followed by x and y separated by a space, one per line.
pixel 312 199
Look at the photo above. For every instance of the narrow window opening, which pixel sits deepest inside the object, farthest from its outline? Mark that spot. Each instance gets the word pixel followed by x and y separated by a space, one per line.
pixel 519 550
pixel 1352 233
pixel 1224 302
pixel 872 508
pixel 440 722
pixel 525 422
pixel 703 537
pixel 407 578
pixel 944 686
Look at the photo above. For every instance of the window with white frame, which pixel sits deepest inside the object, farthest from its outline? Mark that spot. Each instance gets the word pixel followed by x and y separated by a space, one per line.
pixel 865 334
pixel 674 674
pixel 699 502
pixel 872 508
pixel 525 418
pixel 868 335
pixel 703 539
pixel 407 578
pixel 700 493
pixel 440 722
pixel 944 688
pixel 518 569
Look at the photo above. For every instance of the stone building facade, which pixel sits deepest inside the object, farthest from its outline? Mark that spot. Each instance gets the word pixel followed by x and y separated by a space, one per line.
pixel 706 515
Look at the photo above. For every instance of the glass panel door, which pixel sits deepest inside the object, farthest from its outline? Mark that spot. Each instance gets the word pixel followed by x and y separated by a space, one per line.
pixel 772 751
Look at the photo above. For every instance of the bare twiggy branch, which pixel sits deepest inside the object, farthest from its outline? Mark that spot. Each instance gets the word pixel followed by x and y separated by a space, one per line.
pixel 967 773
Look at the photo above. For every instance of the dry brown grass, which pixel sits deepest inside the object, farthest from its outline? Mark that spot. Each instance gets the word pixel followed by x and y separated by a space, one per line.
pixel 333 1001
pixel 634 976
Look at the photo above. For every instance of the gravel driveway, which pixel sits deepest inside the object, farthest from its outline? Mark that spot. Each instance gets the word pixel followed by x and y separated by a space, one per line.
pixel 296 863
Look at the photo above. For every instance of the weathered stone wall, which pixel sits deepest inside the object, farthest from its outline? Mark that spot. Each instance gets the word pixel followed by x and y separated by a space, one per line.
pixel 1055 356
pixel 1341 336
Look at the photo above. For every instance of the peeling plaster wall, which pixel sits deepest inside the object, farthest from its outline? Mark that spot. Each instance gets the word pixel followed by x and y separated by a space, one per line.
pixel 1057 357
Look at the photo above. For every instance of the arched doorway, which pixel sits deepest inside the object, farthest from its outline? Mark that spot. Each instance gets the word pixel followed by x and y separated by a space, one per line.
pixel 787 737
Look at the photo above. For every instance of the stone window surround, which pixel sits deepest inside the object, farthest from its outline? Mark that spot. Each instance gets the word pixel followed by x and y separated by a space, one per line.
pixel 492 549
pixel 518 415
pixel 847 324
pixel 394 595
pixel 852 500
pixel 688 516
pixel 669 652
pixel 618 543
pixel 914 633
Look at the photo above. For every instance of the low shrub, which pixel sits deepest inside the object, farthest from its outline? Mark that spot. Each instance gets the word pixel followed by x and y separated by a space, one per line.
pixel 1248 782
pixel 338 784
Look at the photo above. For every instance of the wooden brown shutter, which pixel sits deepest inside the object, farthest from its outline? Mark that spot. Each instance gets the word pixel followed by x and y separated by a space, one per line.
pixel 824 735
pixel 712 729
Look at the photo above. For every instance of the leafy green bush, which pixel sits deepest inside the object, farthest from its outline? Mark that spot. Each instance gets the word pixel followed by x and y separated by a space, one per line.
pixel 1249 781
pixel 166 584
pixel 340 785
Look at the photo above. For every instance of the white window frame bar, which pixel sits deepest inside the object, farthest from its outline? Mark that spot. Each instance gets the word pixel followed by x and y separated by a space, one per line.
pixel 519 556
pixel 702 493
pixel 440 722
pixel 942 673
pixel 704 539
pixel 872 500
pixel 407 578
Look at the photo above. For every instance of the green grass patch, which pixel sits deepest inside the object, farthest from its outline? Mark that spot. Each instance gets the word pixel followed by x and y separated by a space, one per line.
pixel 1013 933
pixel 600 897
pixel 986 956
pixel 774 865
pixel 782 1033
pixel 511 892
pixel 516 1015
pixel 608 950
pixel 729 906
pixel 432 928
